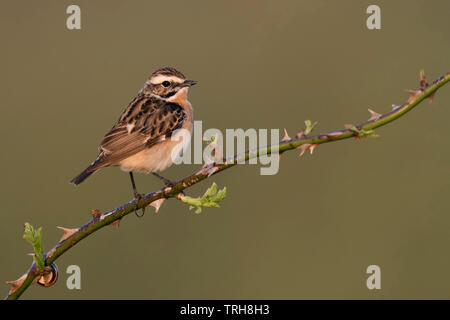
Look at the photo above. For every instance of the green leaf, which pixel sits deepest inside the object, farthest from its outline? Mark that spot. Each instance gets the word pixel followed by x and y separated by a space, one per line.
pixel 34 237
pixel 210 198
pixel 211 191
pixel 309 126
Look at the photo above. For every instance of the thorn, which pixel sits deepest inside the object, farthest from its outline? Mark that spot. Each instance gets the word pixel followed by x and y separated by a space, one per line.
pixel 286 136
pixel 423 80
pixel 307 146
pixel 374 116
pixel 31 254
pixel 208 169
pixel 301 134
pixel 413 94
pixel 394 107
pixel 303 148
pixel 16 283
pixel 67 232
pixel 96 213
pixel 431 97
pixel 157 203
pixel 116 223
pixel 211 171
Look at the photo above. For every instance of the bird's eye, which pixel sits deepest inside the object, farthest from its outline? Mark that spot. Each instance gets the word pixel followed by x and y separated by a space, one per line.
pixel 166 84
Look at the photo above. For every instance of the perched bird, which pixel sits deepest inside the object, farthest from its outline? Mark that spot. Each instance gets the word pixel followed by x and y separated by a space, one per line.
pixel 141 140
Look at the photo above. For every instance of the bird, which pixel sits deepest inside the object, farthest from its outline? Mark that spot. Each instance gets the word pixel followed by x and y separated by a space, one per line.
pixel 142 138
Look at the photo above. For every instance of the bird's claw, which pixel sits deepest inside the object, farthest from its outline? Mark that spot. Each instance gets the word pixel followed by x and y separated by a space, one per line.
pixel 138 197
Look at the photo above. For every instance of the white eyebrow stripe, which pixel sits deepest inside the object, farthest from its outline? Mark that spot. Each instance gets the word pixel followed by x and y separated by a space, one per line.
pixel 160 78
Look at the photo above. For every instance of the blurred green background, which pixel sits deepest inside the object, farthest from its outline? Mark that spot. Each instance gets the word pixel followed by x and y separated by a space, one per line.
pixel 308 232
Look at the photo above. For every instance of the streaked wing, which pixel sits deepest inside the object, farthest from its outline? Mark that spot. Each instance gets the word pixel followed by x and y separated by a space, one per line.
pixel 145 122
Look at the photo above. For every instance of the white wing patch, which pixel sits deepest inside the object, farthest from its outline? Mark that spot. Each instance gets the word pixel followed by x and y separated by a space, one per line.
pixel 130 127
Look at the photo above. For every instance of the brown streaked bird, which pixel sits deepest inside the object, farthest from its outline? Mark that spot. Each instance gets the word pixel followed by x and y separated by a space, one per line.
pixel 140 141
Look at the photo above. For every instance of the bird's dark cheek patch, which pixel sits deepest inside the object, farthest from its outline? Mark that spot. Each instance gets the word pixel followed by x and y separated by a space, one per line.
pixel 169 94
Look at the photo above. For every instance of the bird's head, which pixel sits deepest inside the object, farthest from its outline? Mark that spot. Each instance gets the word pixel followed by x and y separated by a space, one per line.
pixel 167 83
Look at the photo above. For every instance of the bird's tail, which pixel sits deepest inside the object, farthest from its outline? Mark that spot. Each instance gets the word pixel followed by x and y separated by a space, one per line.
pixel 84 175
pixel 94 166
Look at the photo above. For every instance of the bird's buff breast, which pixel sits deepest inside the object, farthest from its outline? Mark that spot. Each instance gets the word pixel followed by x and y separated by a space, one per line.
pixel 154 159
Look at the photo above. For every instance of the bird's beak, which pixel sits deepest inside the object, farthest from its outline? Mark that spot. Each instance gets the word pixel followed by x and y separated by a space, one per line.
pixel 188 83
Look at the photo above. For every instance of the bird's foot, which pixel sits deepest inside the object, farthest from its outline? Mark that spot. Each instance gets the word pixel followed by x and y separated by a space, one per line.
pixel 138 197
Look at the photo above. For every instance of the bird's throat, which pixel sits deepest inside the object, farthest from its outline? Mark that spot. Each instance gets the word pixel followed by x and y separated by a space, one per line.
pixel 180 97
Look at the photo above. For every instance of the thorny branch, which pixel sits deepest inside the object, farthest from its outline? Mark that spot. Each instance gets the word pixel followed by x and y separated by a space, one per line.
pixel 303 141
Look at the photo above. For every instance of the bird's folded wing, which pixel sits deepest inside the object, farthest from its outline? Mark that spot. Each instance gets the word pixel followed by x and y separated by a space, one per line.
pixel 136 132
